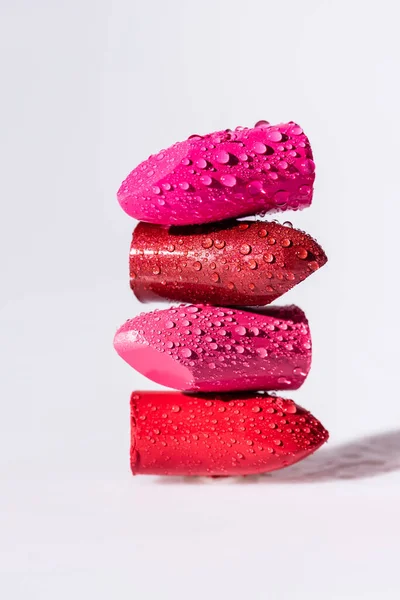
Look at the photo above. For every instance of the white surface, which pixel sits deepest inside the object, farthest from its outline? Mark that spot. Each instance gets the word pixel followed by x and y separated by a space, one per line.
pixel 89 90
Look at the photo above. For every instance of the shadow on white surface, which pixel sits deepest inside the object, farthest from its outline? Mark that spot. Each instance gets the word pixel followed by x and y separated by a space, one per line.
pixel 363 458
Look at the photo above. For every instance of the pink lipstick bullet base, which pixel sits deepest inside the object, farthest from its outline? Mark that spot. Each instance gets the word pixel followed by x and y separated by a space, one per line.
pixel 207 348
pixel 223 175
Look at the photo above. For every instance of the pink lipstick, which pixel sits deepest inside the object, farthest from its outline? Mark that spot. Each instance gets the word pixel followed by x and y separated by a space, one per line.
pixel 208 348
pixel 223 175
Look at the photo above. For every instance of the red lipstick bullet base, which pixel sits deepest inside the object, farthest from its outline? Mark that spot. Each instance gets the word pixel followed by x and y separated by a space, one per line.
pixel 235 434
pixel 228 264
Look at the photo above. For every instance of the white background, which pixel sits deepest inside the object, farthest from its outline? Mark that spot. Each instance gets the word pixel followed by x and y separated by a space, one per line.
pixel 89 89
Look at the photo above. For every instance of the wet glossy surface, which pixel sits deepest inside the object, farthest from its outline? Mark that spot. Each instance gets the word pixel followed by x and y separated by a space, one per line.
pixel 242 263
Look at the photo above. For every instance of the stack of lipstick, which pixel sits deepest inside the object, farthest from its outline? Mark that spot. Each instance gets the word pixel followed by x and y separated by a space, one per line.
pixel 227 361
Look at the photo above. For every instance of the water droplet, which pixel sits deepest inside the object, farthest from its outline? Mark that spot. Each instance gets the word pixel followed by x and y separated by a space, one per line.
pixel 278 442
pixel 299 371
pixel 215 277
pixel 222 157
pixel 197 265
pixel 256 409
pixel 243 226
pixel 259 148
pixel 253 264
pixel 211 365
pixel 282 164
pixel 245 249
pixel 281 197
pixel 207 243
pixel 166 186
pixel 306 166
pixel 301 253
pixel 243 157
pixel 285 242
pixel 175 408
pixel 185 352
pixel 263 233
pixel 274 136
pixel 185 161
pixel 170 344
pixel 156 189
pixel 268 257
pixel 169 324
pixel 170 248
pixel 239 349
pixel 255 187
pixel 231 285
pixel 192 309
pixel 305 190
pixel 296 130
pixel 219 244
pixel 313 265
pixel 262 123
pixel 288 224
pixel 228 180
pixel 206 180
pixel 156 270
pixel 201 163
pixel 262 352
pixel 240 330
pixel 184 185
